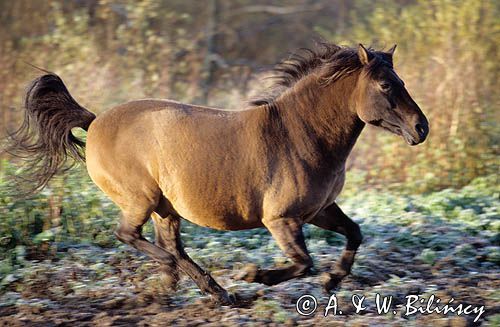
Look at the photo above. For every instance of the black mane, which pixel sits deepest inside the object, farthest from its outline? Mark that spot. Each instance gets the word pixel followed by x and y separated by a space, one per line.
pixel 335 62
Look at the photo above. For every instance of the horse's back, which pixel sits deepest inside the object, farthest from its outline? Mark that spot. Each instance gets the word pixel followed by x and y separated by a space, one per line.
pixel 139 125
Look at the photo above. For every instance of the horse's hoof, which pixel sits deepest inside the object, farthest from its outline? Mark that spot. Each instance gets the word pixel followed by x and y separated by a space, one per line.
pixel 248 273
pixel 330 281
pixel 226 299
pixel 311 272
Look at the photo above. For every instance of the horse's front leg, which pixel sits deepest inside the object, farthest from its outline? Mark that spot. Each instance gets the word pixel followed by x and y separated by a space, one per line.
pixel 332 218
pixel 288 235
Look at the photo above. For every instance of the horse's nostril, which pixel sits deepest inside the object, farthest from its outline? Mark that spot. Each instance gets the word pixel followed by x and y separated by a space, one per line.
pixel 420 129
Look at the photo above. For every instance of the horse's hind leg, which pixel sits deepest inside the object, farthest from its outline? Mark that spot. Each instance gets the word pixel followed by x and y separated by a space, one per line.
pixel 333 219
pixel 288 235
pixel 129 232
pixel 139 198
pixel 166 232
pixel 168 228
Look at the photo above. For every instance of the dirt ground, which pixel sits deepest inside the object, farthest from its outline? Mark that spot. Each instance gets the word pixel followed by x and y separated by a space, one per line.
pixel 92 286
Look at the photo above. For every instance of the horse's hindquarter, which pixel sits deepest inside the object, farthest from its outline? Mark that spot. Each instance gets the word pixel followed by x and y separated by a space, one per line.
pixel 121 155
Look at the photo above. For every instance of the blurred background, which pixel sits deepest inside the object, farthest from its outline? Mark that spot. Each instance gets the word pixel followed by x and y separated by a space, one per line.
pixel 217 52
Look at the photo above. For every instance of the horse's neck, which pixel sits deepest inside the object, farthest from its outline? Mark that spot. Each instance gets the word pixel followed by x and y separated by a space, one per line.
pixel 320 120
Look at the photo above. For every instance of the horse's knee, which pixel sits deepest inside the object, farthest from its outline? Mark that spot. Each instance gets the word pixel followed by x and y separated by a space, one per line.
pixel 126 234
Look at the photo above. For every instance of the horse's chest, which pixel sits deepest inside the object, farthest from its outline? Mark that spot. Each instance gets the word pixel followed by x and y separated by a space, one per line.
pixel 303 196
pixel 336 187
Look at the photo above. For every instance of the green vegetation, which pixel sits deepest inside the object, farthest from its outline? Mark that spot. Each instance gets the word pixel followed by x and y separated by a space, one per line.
pixel 38 227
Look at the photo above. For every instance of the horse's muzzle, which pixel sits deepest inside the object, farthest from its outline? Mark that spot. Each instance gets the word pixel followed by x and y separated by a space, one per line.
pixel 418 133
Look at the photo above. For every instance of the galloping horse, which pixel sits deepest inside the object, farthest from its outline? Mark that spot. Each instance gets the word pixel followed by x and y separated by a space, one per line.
pixel 279 163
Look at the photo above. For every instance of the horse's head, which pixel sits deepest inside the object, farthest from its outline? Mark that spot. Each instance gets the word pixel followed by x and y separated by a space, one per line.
pixel 382 99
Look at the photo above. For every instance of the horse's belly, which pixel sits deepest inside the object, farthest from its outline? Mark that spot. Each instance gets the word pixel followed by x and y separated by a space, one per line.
pixel 227 223
pixel 218 212
pixel 229 208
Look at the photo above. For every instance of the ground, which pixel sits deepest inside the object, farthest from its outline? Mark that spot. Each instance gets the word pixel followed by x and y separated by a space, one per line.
pixel 445 244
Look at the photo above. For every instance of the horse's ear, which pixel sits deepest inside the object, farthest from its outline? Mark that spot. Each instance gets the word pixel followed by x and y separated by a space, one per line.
pixel 391 50
pixel 364 55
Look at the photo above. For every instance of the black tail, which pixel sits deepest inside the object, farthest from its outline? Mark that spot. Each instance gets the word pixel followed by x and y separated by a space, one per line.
pixel 44 139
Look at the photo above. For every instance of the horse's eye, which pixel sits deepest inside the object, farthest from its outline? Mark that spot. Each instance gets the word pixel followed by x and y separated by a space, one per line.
pixel 385 87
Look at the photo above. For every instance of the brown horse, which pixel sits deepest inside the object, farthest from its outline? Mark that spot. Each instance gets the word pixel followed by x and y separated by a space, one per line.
pixel 278 164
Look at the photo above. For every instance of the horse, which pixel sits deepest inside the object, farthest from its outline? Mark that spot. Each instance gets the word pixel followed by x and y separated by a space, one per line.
pixel 277 163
